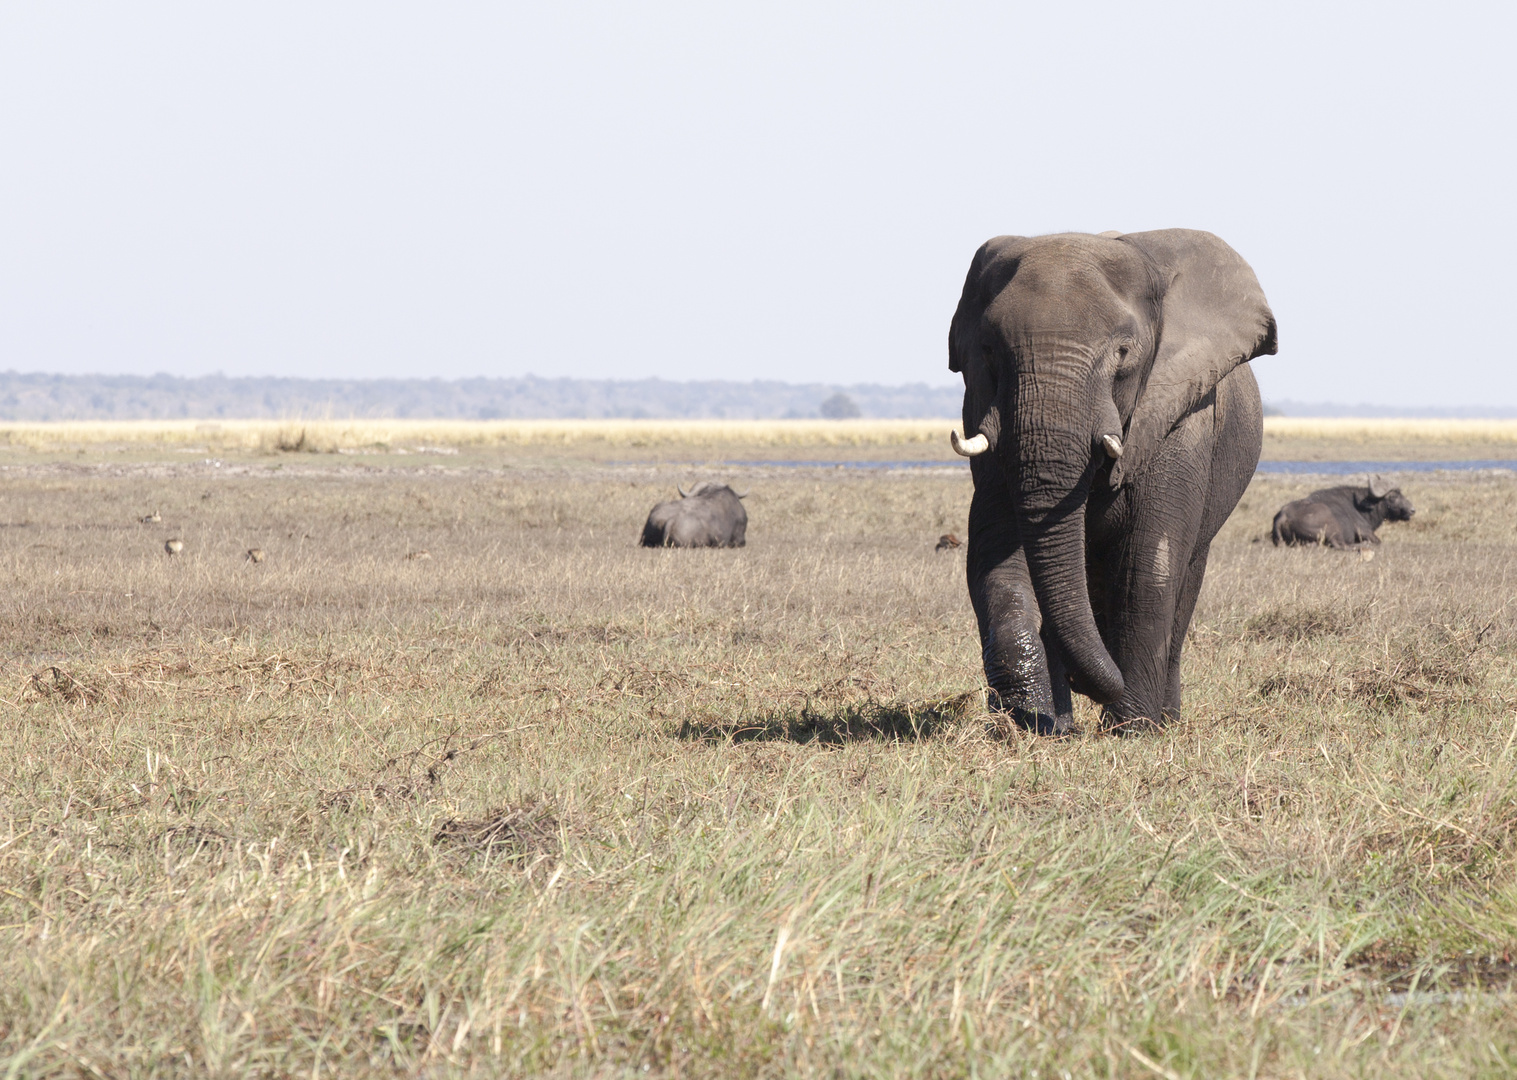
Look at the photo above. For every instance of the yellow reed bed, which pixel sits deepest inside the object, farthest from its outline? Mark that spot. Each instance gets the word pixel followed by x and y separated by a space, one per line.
pixel 1352 430
pixel 337 435
pixel 332 436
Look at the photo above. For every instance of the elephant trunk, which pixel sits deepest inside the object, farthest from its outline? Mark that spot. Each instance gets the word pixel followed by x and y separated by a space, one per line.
pixel 1050 469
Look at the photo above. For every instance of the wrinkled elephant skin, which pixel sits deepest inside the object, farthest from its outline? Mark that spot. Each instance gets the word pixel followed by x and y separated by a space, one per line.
pixel 1116 424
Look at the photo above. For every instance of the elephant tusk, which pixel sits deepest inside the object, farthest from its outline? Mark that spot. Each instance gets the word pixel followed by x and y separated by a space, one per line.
pixel 969 447
pixel 1113 446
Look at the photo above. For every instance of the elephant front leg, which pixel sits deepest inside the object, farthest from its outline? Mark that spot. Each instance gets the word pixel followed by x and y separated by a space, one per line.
pixel 1141 633
pixel 1235 455
pixel 1185 608
pixel 1016 662
pixel 1006 608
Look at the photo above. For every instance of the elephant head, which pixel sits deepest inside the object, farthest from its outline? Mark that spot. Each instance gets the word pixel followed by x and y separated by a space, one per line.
pixel 1079 354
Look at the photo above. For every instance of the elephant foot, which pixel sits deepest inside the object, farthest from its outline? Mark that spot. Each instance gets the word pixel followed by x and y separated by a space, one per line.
pixel 1032 720
pixel 1041 723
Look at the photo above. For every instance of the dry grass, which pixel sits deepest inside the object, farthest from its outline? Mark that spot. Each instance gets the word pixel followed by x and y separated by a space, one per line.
pixel 440 436
pixel 549 803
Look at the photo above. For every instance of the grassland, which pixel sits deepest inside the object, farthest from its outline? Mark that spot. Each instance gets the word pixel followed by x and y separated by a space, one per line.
pixel 532 439
pixel 544 803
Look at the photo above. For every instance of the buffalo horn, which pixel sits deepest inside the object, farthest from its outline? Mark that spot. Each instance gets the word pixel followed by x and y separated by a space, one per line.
pixel 740 494
pixel 1113 446
pixel 682 492
pixel 969 447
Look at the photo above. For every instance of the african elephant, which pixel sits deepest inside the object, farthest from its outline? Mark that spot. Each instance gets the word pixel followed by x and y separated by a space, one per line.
pixel 1113 425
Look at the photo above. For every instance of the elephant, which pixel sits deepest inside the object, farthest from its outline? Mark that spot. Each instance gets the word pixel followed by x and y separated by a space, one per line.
pixel 1112 424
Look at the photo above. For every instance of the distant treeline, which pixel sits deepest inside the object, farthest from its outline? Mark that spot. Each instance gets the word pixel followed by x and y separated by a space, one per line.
pixel 167 397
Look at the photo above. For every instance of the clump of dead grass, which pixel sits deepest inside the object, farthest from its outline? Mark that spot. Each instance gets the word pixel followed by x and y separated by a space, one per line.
pixel 384 789
pixel 525 831
pixel 408 776
pixel 1302 623
pixel 1435 670
pixel 54 683
pixel 196 837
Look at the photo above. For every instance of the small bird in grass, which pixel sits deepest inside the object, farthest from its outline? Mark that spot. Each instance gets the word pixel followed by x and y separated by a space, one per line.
pixel 947 542
pixel 255 555
pixel 173 547
pixel 422 554
pixel 152 519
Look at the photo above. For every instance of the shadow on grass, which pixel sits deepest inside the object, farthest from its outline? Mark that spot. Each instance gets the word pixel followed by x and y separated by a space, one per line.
pixel 856 722
pixel 1400 972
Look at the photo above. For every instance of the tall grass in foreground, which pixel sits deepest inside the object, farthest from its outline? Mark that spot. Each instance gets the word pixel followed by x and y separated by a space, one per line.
pixel 546 803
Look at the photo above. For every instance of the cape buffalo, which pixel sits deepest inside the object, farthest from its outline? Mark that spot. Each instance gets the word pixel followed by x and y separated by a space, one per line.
pixel 708 515
pixel 1341 517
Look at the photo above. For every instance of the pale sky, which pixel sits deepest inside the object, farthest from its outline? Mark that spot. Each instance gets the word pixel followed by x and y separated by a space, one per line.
pixel 706 190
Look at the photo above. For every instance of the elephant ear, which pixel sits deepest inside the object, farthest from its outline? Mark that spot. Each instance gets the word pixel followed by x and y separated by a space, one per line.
pixel 991 268
pixel 1215 318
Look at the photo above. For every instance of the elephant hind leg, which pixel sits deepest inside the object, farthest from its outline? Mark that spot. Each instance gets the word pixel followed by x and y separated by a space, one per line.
pixel 1235 455
pixel 1143 632
pixel 1185 608
pixel 1186 594
pixel 1149 568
